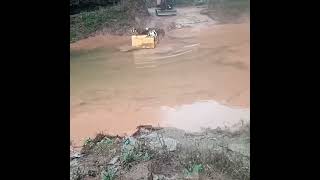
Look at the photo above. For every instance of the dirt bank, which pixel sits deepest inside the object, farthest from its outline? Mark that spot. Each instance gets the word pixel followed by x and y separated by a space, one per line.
pixel 165 153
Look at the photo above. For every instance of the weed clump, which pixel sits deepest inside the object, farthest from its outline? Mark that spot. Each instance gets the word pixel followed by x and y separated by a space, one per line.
pixel 134 151
pixel 109 174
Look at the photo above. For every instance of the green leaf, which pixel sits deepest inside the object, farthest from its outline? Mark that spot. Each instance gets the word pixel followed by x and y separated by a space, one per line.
pixel 198 168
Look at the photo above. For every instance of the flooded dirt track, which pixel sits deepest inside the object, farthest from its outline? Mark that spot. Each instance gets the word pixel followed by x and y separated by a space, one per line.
pixel 114 90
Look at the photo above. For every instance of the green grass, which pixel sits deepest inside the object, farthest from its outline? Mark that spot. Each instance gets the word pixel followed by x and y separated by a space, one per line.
pixel 135 152
pixel 86 23
pixel 214 164
pixel 109 174
pixel 88 142
pixel 194 169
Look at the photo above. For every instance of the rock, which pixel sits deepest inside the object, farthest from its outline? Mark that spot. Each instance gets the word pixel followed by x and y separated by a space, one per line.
pixel 92 173
pixel 162 177
pixel 114 160
pixel 178 26
pixel 170 143
pixel 75 155
pixel 157 142
pixel 129 143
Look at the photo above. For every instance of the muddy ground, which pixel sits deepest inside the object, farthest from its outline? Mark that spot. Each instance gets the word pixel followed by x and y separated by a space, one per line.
pixel 165 153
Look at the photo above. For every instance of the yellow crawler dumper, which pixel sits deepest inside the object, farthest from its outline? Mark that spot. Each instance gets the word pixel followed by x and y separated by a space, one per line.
pixel 143 41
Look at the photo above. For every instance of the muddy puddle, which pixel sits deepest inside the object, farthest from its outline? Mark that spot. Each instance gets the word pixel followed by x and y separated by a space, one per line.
pixel 114 91
pixel 204 114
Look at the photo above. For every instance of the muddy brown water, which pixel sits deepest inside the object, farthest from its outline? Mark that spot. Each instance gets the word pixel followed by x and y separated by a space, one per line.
pixel 195 78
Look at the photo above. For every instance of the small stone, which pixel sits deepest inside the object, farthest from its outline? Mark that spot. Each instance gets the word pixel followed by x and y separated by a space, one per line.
pixel 169 143
pixel 114 160
pixel 75 155
pixel 178 26
pixel 162 177
pixel 92 173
